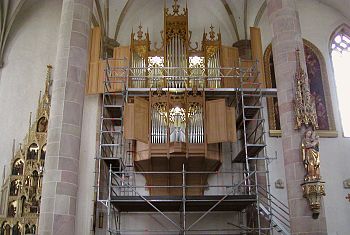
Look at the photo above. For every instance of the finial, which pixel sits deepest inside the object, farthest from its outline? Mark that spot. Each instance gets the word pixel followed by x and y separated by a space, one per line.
pixel 3 175
pixel 48 79
pixel 297 54
pixel 176 7
pixel 39 98
pixel 212 33
pixel 13 148
pixel 30 121
pixel 140 33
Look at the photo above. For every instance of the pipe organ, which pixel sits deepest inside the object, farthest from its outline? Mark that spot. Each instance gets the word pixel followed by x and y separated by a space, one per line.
pixel 176 64
pixel 178 123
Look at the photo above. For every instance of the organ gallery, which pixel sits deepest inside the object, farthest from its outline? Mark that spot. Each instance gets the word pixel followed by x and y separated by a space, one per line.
pixel 167 113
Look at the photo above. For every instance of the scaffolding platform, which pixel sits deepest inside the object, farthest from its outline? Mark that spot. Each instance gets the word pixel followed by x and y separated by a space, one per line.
pixel 213 92
pixel 175 203
pixel 252 150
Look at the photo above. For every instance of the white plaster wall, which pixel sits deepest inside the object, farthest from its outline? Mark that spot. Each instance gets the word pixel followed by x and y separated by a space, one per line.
pixel 318 21
pixel 30 47
pixel 88 151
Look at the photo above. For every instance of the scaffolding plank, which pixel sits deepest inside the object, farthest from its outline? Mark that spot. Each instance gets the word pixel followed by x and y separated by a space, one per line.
pixel 174 203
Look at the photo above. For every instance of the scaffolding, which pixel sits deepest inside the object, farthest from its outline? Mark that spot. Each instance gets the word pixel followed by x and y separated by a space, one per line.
pixel 248 195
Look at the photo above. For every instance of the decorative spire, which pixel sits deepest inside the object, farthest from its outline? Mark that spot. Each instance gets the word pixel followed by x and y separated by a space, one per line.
pixel 212 33
pixel 30 121
pixel 140 33
pixel 176 7
pixel 48 80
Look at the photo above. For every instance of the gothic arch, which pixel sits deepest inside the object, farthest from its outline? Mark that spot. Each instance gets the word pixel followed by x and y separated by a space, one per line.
pixel 17 167
pixel 32 152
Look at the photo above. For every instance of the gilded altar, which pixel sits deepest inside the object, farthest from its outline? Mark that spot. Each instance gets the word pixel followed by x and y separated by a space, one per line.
pixel 21 191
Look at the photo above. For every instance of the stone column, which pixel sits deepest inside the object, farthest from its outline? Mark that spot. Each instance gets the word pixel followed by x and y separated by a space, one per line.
pixel 285 24
pixel 60 182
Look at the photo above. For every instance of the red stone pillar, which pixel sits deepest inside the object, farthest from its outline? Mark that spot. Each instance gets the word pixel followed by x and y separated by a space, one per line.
pixel 285 24
pixel 60 182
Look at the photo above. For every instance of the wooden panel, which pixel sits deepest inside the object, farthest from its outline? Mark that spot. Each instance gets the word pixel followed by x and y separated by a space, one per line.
pixel 247 65
pixel 159 164
pixel 229 59
pixel 120 59
pixel 121 52
pixel 142 151
pixel 141 125
pixel 129 120
pixel 92 81
pixel 101 76
pixel 231 124
pixel 257 52
pixel 95 49
pixel 216 121
pixel 213 152
pixel 136 120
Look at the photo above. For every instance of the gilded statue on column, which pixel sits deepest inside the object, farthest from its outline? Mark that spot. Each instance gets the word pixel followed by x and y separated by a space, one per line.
pixel 311 155
pixel 305 114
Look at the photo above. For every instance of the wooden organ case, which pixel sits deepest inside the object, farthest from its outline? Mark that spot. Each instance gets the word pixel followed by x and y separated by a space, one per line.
pixel 177 124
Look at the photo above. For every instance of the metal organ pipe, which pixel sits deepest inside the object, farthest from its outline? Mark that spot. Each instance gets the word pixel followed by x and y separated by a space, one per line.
pixel 196 131
pixel 138 71
pixel 176 62
pixel 214 80
pixel 158 128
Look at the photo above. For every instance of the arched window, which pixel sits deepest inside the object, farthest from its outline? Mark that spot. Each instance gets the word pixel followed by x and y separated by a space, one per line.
pixel 340 52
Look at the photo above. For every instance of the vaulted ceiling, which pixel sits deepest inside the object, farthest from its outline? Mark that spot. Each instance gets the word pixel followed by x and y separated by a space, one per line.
pixel 233 16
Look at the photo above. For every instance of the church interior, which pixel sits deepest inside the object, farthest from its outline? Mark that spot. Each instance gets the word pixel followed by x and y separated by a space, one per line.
pixel 174 117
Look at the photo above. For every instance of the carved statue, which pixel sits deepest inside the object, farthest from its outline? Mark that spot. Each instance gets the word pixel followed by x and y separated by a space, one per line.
pixel 311 155
pixel 17 167
pixel 42 125
pixel 16 230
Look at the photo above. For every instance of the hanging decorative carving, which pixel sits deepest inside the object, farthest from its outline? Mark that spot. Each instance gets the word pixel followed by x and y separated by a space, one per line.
pixel 304 105
pixel 313 192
